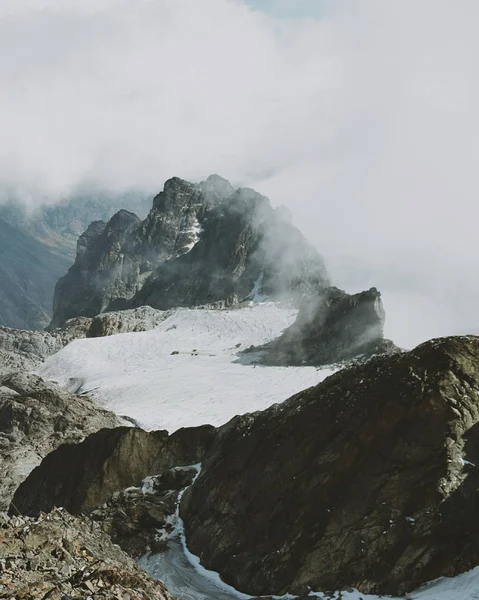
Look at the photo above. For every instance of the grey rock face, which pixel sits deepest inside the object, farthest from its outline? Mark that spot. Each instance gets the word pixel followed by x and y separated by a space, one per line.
pixel 25 350
pixel 331 327
pixel 368 480
pixel 81 477
pixel 35 418
pixel 200 244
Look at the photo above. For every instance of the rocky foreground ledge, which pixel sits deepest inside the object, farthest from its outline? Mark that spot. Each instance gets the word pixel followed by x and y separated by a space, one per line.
pixel 59 556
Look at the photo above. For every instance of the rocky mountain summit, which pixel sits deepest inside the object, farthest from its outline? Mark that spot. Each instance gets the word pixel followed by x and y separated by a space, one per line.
pixel 209 244
pixel 368 480
pixel 200 244
pixel 37 246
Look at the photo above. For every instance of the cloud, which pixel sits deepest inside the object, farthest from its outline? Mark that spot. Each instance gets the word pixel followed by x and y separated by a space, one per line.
pixel 363 122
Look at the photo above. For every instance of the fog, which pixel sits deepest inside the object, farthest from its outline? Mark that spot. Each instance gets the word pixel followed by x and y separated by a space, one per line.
pixel 359 116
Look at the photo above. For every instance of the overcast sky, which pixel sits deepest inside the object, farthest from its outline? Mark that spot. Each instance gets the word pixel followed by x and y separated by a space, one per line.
pixel 360 116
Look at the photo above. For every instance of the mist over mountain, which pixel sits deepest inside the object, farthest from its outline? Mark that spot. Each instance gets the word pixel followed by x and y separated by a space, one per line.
pixel 60 223
pixel 200 244
pixel 37 246
pixel 217 383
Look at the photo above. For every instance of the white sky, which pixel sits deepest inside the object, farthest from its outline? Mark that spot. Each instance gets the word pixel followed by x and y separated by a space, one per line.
pixel 362 119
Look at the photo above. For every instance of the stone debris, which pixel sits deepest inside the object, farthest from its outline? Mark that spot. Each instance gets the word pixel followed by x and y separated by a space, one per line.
pixel 61 557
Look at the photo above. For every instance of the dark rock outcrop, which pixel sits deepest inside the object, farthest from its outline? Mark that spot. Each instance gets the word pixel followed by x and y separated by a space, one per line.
pixel 35 418
pixel 81 477
pixel 331 327
pixel 200 244
pixel 368 480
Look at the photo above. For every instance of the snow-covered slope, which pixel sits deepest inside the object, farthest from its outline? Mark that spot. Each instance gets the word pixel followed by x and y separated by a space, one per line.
pixel 186 371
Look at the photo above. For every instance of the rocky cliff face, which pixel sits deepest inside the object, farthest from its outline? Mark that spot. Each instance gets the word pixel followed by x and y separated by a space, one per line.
pixel 368 480
pixel 200 244
pixel 35 418
pixel 331 327
pixel 81 477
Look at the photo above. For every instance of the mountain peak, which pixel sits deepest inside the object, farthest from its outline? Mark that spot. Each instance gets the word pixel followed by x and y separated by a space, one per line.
pixel 200 244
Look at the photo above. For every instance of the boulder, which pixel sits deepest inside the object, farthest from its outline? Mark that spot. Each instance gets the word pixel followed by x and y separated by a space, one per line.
pixel 61 557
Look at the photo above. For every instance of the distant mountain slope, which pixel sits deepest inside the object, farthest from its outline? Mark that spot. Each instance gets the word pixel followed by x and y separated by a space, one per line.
pixel 368 480
pixel 37 248
pixel 200 244
pixel 28 273
pixel 186 371
pixel 59 225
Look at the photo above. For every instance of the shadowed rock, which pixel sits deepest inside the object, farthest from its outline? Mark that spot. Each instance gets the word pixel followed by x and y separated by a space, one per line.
pixel 368 480
pixel 81 477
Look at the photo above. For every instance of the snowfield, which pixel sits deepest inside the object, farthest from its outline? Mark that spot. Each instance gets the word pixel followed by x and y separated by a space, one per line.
pixel 186 371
